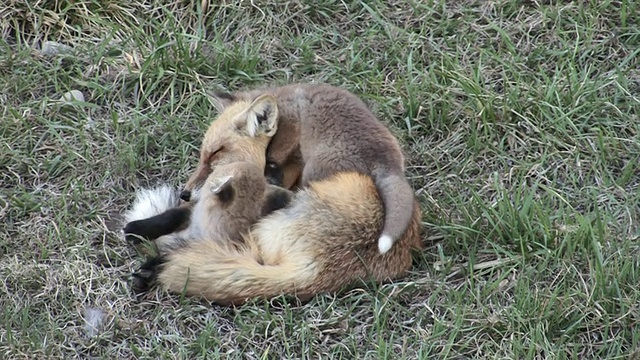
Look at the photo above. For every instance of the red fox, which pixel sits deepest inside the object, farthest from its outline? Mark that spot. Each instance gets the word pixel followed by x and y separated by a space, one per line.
pixel 233 198
pixel 324 130
pixel 323 241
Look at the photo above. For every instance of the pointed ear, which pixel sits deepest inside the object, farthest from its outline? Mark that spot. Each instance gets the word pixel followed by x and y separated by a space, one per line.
pixel 220 99
pixel 262 116
pixel 223 188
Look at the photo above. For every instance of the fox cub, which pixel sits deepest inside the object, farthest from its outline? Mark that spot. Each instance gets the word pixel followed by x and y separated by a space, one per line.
pixel 322 241
pixel 242 134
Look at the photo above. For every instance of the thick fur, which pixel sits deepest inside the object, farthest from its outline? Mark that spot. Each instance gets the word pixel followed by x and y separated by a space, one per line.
pixel 323 130
pixel 324 241
pixel 245 129
pixel 241 132
pixel 233 198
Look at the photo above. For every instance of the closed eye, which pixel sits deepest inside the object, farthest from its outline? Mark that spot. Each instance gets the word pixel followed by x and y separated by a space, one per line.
pixel 214 155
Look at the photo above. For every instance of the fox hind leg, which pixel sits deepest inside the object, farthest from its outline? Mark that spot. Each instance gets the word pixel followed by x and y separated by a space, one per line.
pixel 145 278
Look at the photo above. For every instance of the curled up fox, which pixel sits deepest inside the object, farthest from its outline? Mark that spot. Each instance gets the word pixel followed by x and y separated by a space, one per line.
pixel 239 237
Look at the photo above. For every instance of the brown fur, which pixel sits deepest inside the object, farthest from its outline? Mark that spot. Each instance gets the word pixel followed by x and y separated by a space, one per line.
pixel 323 130
pixel 323 242
pixel 239 140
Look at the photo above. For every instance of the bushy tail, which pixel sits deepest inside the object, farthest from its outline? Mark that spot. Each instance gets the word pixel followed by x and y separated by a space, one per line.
pixel 151 202
pixel 398 198
pixel 229 274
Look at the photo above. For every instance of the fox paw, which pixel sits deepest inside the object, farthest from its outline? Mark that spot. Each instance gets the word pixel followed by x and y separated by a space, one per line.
pixel 144 279
pixel 133 232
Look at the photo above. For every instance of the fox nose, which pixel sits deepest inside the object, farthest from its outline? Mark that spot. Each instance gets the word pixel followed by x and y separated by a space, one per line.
pixel 185 195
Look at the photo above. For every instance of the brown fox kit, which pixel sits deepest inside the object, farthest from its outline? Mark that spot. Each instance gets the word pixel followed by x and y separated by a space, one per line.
pixel 233 198
pixel 324 130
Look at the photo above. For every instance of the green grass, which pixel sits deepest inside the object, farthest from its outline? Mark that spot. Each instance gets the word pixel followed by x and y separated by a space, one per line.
pixel 520 122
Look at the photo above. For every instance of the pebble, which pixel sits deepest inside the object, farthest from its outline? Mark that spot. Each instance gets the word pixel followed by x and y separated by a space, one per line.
pixel 54 48
pixel 73 95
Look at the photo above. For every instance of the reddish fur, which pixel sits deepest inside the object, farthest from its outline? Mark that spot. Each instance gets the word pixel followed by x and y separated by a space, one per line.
pixel 325 240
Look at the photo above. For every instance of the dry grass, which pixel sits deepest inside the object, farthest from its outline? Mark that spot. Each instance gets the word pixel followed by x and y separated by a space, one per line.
pixel 520 122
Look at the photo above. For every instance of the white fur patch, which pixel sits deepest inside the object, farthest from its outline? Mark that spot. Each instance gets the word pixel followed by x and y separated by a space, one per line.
pixel 252 123
pixel 385 243
pixel 93 320
pixel 151 202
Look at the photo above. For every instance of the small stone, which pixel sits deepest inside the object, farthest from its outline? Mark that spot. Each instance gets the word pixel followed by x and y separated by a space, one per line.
pixel 54 48
pixel 73 95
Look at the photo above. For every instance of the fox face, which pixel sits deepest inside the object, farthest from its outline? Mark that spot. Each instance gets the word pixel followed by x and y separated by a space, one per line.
pixel 240 184
pixel 228 202
pixel 241 133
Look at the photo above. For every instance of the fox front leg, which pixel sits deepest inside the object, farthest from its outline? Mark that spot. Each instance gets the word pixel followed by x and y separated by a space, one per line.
pixel 152 228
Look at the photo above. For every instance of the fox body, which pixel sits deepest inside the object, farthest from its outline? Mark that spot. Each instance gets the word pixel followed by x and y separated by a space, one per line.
pixel 233 198
pixel 324 130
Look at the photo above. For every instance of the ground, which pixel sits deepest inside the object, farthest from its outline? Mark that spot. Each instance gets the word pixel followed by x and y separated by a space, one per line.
pixel 520 124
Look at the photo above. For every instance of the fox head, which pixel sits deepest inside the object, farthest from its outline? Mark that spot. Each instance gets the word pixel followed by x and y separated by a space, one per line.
pixel 240 133
pixel 229 201
pixel 241 191
pixel 240 184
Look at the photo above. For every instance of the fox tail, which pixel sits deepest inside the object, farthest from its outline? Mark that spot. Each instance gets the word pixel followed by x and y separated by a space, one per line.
pixel 398 198
pixel 228 273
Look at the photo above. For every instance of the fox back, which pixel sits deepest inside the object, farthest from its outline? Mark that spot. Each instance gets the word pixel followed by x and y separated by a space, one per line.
pixel 332 227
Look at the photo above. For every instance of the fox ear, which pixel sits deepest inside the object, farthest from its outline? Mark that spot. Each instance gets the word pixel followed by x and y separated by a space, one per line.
pixel 221 99
pixel 262 116
pixel 223 188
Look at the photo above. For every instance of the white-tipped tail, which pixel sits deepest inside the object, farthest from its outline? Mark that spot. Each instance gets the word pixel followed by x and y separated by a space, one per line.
pixel 384 243
pixel 151 202
pixel 398 198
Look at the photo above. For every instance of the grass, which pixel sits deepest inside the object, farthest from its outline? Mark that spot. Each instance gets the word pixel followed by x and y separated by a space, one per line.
pixel 520 122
